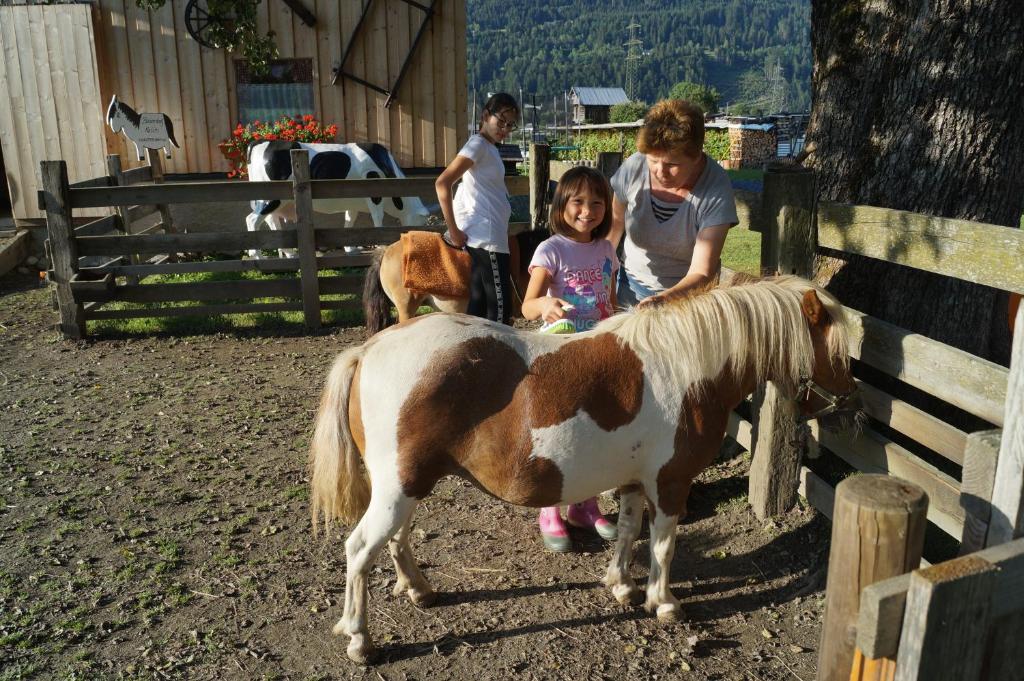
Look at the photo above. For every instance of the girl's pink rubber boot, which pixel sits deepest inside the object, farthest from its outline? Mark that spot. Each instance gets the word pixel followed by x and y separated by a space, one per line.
pixel 586 514
pixel 552 530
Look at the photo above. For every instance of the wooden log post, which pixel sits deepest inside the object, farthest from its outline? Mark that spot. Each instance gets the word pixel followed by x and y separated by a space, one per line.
pixel 981 454
pixel 63 249
pixel 540 172
pixel 946 622
pixel 115 171
pixel 878 529
pixel 1007 521
pixel 787 246
pixel 608 162
pixel 156 165
pixel 306 238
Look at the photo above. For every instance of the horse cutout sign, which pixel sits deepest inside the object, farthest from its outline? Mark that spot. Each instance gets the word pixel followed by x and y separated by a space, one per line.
pixel 639 403
pixel 146 130
pixel 272 161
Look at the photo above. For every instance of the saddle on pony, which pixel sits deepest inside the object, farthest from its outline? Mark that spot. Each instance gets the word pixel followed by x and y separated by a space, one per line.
pixel 430 265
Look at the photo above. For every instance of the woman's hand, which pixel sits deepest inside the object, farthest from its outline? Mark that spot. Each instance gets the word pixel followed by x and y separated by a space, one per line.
pixel 456 237
pixel 651 302
pixel 553 309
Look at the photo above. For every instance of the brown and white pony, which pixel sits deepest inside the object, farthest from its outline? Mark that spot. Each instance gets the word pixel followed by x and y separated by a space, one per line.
pixel 639 403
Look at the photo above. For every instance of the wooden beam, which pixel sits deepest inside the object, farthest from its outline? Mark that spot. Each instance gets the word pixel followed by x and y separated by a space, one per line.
pixel 307 17
pixel 1007 520
pixel 878 631
pixel 978 480
pixel 305 238
pixel 971 383
pixel 787 246
pixel 945 624
pixel 871 452
pixel 63 247
pixel 214 242
pixel 991 255
pixel 919 425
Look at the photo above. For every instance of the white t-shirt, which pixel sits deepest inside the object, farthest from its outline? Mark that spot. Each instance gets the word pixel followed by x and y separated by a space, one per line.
pixel 481 205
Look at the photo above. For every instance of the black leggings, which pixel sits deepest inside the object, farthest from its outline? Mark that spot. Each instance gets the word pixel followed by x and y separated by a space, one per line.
pixel 490 287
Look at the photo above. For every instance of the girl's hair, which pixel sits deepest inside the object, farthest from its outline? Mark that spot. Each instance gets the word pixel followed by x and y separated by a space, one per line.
pixel 572 182
pixel 674 126
pixel 500 101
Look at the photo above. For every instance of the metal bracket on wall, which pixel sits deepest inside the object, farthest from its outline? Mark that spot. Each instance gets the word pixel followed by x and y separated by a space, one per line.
pixel 428 13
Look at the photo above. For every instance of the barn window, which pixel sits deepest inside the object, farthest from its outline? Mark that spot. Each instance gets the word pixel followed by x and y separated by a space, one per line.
pixel 286 89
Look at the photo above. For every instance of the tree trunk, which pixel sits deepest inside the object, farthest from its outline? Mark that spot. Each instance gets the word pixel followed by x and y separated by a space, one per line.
pixel 919 106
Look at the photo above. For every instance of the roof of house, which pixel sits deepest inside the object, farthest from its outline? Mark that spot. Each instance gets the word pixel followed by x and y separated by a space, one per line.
pixel 600 96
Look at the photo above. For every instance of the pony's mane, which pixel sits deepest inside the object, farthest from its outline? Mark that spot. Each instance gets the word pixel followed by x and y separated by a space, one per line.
pixel 692 339
pixel 133 117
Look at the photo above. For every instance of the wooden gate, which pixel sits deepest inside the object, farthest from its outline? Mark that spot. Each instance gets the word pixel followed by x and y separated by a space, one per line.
pixel 50 75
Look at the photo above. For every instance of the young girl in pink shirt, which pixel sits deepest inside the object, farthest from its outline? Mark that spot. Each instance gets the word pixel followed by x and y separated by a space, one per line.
pixel 572 288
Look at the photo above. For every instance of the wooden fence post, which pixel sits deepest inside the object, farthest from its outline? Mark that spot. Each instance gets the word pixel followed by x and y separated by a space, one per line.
pixel 946 621
pixel 156 166
pixel 608 162
pixel 1007 521
pixel 540 156
pixel 63 249
pixel 981 454
pixel 787 246
pixel 878 528
pixel 115 170
pixel 306 238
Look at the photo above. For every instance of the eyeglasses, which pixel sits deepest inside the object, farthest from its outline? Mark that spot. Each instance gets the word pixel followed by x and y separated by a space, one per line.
pixel 506 125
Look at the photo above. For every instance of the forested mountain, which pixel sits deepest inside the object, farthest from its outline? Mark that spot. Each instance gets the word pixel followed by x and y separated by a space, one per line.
pixel 753 51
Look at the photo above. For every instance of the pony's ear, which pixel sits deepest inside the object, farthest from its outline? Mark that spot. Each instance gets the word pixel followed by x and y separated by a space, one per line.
pixel 812 308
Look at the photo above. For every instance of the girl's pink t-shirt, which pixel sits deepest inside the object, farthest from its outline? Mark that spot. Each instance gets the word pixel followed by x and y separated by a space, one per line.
pixel 582 275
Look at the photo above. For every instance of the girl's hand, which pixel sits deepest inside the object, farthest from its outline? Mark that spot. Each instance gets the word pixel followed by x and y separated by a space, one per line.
pixel 456 237
pixel 553 309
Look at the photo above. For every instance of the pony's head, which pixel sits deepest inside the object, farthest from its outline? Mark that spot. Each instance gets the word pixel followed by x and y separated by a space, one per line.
pixel 120 114
pixel 782 329
pixel 827 392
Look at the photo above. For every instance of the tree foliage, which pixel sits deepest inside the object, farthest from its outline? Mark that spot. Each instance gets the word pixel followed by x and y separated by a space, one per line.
pixel 628 112
pixel 233 27
pixel 548 47
pixel 704 96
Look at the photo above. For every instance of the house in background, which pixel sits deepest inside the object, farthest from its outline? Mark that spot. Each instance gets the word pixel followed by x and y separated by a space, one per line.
pixel 65 59
pixel 593 104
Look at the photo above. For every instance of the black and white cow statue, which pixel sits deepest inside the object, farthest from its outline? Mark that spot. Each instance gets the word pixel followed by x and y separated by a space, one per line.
pixel 272 161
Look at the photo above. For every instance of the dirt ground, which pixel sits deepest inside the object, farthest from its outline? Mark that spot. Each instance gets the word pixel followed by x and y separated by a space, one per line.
pixel 154 523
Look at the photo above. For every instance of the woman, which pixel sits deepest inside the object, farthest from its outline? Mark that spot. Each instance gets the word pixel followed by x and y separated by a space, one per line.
pixel 673 204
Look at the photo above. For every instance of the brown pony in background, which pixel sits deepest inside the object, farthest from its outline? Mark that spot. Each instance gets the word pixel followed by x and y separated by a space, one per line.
pixel 383 285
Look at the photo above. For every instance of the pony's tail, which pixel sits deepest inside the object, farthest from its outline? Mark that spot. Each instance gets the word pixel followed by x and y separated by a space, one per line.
pixel 339 485
pixel 376 304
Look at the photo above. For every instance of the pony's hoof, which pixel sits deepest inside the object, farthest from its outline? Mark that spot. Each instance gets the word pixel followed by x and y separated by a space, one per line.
pixel 422 598
pixel 360 650
pixel 669 613
pixel 626 594
pixel 399 588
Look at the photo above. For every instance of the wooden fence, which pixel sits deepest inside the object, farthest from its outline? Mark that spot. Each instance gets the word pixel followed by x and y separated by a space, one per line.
pixel 130 255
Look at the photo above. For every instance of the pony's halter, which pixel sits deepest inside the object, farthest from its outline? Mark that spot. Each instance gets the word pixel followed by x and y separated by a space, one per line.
pixel 833 402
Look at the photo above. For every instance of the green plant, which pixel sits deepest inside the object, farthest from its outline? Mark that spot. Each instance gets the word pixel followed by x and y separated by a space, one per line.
pixel 302 129
pixel 705 97
pixel 628 112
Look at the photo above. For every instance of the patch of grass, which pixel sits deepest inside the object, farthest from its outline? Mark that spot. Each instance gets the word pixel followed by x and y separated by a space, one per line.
pixel 742 251
pixel 746 174
pixel 297 492
pixel 201 324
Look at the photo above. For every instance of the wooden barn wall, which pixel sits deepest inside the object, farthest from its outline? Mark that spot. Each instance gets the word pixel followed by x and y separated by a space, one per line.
pixel 50 106
pixel 148 59
pixel 63 62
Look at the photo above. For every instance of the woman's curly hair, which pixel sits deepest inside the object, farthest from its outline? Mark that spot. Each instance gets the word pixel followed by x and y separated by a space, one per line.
pixel 673 126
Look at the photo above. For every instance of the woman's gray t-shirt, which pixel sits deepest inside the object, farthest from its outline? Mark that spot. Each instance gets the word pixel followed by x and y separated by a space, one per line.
pixel 658 254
